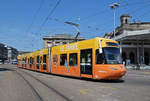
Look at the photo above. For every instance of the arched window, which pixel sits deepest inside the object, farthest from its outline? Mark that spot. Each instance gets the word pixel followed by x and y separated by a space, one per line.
pixel 126 21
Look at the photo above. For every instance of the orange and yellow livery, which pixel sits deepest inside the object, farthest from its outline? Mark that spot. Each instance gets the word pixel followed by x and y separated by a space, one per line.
pixel 97 58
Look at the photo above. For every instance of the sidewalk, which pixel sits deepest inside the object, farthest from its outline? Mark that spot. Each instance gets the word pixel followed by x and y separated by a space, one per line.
pixel 142 67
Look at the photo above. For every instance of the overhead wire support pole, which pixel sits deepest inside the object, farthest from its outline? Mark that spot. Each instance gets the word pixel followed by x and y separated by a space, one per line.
pixel 114 22
pixel 78 33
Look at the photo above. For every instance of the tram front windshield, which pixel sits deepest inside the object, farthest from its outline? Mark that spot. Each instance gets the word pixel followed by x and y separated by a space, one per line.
pixel 112 55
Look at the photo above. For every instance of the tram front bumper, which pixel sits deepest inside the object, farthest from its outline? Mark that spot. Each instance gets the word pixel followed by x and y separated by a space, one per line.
pixel 110 75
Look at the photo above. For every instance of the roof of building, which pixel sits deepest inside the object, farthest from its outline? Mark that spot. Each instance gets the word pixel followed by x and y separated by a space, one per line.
pixel 125 15
pixel 61 36
pixel 139 23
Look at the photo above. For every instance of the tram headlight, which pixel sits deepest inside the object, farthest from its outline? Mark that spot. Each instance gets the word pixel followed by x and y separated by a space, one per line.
pixel 121 67
pixel 113 69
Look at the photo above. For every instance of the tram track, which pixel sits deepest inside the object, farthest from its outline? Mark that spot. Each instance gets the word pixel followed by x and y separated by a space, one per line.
pixel 39 98
pixel 40 81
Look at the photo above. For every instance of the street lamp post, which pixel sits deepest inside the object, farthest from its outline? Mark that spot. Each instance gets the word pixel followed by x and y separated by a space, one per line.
pixel 113 6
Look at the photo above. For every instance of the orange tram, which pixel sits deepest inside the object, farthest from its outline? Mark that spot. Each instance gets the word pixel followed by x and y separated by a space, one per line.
pixel 97 58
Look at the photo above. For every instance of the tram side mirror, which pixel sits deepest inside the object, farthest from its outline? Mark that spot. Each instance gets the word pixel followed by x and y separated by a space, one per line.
pixel 100 50
pixel 100 47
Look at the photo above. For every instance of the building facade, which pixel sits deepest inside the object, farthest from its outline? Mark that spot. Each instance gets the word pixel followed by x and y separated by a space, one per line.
pixel 12 54
pixel 59 39
pixel 134 40
pixel 7 53
pixel 3 52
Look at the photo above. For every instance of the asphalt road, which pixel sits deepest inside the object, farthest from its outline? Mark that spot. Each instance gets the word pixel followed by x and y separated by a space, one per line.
pixel 24 85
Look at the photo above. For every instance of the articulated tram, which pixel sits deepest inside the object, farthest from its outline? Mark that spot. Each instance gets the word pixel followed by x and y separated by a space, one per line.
pixel 97 58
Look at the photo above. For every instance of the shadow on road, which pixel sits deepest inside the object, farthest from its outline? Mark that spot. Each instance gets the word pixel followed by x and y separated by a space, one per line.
pixel 104 81
pixel 85 79
pixel 4 69
pixel 92 80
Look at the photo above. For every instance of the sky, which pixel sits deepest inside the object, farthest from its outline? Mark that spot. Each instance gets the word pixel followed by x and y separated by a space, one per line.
pixel 23 23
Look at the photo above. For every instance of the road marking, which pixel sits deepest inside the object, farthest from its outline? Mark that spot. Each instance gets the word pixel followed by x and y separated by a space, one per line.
pixel 109 87
pixel 84 91
pixel 146 72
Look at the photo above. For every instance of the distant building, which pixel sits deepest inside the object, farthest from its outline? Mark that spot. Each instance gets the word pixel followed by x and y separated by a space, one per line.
pixel 23 52
pixel 59 39
pixel 12 54
pixel 8 53
pixel 134 39
pixel 3 52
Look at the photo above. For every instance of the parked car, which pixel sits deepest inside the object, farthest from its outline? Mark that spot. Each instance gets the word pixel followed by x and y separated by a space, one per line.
pixel 1 62
pixel 14 62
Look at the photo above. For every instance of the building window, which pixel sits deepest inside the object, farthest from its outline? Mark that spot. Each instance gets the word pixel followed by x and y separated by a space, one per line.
pixel 126 21
pixel 73 59
pixel 63 59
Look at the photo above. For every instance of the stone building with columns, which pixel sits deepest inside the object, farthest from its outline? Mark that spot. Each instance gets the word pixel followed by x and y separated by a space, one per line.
pixel 134 40
pixel 59 39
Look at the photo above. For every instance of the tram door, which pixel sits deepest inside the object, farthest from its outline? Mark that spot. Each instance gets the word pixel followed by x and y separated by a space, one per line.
pixel 86 61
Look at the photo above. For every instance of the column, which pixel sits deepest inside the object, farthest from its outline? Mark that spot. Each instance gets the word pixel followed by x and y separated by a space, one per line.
pixel 138 65
pixel 143 52
pixel 121 47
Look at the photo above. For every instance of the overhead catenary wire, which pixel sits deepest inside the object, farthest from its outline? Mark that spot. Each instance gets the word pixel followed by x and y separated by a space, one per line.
pixel 122 3
pixel 35 15
pixel 50 13
pixel 123 7
pixel 47 18
pixel 32 22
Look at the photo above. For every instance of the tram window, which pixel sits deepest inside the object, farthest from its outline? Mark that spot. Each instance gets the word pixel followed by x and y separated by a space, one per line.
pixel 99 58
pixel 25 62
pixel 41 60
pixel 44 61
pixel 37 61
pixel 44 58
pixel 30 62
pixel 73 59
pixel 33 61
pixel 112 44
pixel 63 59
